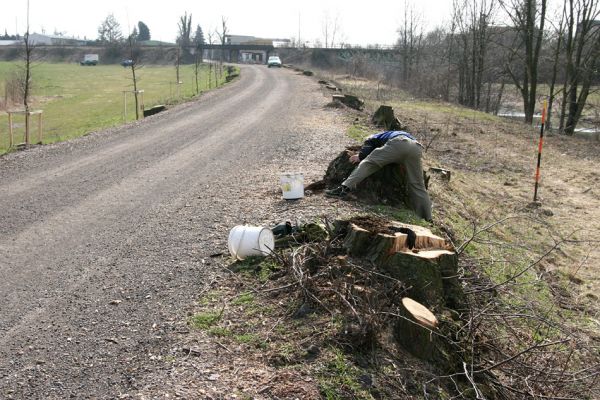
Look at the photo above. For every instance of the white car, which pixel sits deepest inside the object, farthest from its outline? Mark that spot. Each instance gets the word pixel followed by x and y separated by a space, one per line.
pixel 274 61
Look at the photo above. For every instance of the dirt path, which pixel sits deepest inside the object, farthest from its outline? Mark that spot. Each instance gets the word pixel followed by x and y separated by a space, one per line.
pixel 105 240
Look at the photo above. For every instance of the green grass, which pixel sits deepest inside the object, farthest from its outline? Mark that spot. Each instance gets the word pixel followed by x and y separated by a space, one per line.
pixel 339 379
pixel 448 109
pixel 359 132
pixel 205 321
pixel 219 331
pixel 243 299
pixel 77 100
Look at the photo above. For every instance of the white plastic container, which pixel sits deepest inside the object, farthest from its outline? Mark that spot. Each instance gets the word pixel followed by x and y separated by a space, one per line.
pixel 292 185
pixel 245 241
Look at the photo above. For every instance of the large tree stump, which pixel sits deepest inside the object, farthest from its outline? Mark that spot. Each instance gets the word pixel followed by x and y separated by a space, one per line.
pixel 429 270
pixel 387 186
pixel 384 117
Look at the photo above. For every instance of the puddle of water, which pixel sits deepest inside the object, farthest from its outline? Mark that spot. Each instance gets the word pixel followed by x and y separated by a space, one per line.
pixel 588 133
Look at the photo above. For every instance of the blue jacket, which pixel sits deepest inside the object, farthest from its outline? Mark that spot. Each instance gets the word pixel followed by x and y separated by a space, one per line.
pixel 378 140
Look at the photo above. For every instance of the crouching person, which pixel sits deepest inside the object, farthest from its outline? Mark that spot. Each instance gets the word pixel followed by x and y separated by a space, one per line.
pixel 390 147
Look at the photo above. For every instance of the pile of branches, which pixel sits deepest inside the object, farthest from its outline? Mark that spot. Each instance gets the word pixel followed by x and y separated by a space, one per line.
pixel 326 278
pixel 526 347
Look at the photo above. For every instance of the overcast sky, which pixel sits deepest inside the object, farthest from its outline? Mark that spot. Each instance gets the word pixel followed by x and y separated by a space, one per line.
pixel 360 22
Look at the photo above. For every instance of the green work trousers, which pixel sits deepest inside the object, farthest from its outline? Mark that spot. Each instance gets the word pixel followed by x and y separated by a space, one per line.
pixel 404 151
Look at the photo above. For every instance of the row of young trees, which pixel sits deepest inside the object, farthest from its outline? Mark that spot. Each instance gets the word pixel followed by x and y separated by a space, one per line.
pixel 189 49
pixel 491 43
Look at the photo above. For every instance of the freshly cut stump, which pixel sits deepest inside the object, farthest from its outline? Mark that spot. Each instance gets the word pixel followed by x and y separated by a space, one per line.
pixel 429 270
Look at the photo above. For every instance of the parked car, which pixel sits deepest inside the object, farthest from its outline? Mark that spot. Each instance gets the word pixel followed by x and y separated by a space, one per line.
pixel 89 59
pixel 274 61
pixel 127 63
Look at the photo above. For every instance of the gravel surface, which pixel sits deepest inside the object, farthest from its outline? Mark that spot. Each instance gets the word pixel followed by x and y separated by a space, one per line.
pixel 106 241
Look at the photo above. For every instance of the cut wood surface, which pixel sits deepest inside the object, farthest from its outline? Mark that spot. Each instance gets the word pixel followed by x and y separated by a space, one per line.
pixel 420 313
pixel 429 270
pixel 427 243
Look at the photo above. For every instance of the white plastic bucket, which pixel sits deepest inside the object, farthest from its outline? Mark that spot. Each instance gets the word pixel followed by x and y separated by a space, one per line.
pixel 245 241
pixel 292 185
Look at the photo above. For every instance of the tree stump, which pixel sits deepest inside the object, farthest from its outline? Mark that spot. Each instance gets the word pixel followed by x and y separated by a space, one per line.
pixel 443 173
pixel 429 269
pixel 349 100
pixel 387 186
pixel 384 117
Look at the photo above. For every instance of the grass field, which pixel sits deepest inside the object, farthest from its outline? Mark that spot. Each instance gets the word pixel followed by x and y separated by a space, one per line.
pixel 77 100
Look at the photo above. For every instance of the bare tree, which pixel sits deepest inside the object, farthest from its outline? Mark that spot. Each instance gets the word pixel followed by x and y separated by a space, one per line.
pixel 330 29
pixel 582 48
pixel 528 18
pixel 185 31
pixel 559 35
pixel 410 40
pixel 472 21
pixel 223 39
pixel 210 63
pixel 177 65
pixel 133 47
pixel 27 76
pixel 197 64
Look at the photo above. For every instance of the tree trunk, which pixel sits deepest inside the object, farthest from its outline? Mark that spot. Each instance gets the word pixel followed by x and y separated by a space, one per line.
pixel 386 186
pixel 429 269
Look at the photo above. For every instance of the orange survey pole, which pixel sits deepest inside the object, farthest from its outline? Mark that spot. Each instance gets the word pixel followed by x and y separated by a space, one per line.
pixel 539 158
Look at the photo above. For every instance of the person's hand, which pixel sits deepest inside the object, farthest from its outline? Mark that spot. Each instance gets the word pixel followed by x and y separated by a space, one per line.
pixel 354 159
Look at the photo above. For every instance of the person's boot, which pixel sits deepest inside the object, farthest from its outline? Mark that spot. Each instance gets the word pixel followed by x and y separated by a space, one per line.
pixel 340 191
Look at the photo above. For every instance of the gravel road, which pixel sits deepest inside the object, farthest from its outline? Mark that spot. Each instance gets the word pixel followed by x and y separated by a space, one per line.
pixel 106 240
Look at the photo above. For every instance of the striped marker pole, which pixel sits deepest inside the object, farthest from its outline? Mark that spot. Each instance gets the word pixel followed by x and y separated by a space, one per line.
pixel 539 157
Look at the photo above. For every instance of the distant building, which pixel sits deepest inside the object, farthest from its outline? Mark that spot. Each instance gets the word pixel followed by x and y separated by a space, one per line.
pixel 251 49
pixel 50 40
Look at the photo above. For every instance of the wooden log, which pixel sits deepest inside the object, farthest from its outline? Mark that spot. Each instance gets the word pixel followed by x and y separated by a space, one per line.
pixel 154 110
pixel 338 97
pixel 353 102
pixel 349 100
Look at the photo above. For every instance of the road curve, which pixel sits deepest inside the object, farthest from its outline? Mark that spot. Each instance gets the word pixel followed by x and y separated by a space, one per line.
pixel 98 253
